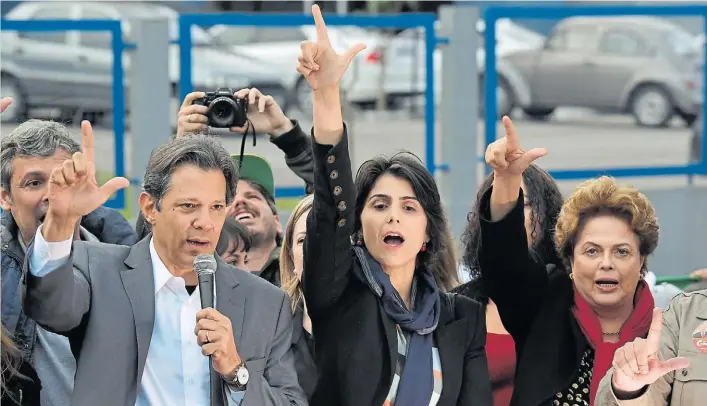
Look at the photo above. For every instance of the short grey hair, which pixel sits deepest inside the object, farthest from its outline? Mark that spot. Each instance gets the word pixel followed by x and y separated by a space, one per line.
pixel 202 151
pixel 33 138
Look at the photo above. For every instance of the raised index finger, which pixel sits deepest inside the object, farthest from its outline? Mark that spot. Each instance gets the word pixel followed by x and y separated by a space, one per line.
pixel 511 134
pixel 87 140
pixel 653 339
pixel 322 34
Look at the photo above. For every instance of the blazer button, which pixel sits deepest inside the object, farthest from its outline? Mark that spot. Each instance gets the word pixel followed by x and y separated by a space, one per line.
pixel 331 159
pixel 342 206
pixel 337 190
pixel 342 222
pixel 684 372
pixel 334 174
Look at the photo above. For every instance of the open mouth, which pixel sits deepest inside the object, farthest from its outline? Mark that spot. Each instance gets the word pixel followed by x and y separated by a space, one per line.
pixel 244 216
pixel 196 243
pixel 393 239
pixel 607 283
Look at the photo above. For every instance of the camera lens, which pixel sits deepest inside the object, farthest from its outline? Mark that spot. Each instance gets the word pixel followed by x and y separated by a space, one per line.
pixel 222 112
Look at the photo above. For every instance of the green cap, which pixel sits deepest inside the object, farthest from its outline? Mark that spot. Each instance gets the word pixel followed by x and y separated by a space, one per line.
pixel 256 169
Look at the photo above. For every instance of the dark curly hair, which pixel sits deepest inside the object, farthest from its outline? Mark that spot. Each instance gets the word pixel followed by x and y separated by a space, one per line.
pixel 439 258
pixel 545 203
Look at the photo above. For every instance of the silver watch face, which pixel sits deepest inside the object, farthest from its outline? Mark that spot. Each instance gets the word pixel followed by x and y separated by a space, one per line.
pixel 242 376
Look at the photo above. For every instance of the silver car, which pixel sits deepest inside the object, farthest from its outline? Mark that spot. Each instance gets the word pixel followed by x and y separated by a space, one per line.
pixel 72 70
pixel 644 66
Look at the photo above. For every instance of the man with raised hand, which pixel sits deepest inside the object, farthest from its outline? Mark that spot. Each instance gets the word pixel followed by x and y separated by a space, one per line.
pixel 135 311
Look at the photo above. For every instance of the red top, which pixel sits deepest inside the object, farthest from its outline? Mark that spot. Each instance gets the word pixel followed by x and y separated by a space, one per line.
pixel 501 354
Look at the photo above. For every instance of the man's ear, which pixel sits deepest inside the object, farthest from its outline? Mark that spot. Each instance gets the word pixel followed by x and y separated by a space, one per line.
pixel 5 200
pixel 148 206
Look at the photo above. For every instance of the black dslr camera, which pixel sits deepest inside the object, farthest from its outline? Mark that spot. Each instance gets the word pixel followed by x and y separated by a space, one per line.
pixel 225 109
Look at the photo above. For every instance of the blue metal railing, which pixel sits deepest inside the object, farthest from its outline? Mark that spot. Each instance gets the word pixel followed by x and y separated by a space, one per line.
pixel 493 14
pixel 118 201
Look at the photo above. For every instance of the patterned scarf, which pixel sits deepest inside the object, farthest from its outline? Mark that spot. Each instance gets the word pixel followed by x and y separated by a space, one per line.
pixel 416 381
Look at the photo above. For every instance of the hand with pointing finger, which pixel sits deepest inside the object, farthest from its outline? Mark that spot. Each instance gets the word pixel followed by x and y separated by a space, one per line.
pixel 506 156
pixel 73 191
pixel 320 65
pixel 637 365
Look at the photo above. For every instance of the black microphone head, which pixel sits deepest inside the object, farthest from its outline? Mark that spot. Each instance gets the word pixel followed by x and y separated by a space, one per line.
pixel 204 264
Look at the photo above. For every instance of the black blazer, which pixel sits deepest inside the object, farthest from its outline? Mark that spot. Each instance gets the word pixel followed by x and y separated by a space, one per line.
pixel 356 343
pixel 534 305
pixel 302 349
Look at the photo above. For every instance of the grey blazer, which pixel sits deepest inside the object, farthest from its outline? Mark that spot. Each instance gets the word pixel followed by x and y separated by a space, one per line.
pixel 103 299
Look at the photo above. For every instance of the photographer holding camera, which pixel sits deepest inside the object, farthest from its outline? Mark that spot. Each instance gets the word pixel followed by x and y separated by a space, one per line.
pixel 254 204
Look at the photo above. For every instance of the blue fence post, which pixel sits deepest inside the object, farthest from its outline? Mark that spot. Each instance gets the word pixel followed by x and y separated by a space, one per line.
pixel 425 20
pixel 112 26
pixel 494 13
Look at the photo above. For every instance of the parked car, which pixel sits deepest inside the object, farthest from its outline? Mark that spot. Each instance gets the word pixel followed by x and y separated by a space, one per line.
pixel 72 70
pixel 644 66
pixel 280 47
pixel 510 89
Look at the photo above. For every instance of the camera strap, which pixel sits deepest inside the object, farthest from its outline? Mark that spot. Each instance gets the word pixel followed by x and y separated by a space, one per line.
pixel 250 128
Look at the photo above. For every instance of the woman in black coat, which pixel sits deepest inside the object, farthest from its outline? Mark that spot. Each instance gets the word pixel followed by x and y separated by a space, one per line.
pixel 20 384
pixel 567 320
pixel 384 331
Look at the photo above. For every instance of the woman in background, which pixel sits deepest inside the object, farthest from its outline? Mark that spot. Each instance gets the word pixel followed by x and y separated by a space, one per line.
pixel 291 263
pixel 234 243
pixel 542 204
pixel 20 384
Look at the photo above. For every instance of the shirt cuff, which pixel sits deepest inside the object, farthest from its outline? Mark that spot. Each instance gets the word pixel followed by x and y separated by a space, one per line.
pixel 235 397
pixel 45 255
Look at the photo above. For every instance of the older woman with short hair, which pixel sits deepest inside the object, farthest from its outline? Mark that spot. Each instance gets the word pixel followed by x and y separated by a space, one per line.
pixel 568 322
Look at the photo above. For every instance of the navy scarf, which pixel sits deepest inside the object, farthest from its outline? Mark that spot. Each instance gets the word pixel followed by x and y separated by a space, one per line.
pixel 416 380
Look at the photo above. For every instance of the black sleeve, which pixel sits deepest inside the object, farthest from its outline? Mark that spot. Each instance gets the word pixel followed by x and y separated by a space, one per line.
pixel 514 276
pixel 297 146
pixel 328 256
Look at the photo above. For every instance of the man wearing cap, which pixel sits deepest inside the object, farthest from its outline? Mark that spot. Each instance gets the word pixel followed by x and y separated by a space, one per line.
pixel 254 203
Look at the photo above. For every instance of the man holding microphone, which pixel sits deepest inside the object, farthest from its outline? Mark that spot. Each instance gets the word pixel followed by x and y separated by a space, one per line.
pixel 134 314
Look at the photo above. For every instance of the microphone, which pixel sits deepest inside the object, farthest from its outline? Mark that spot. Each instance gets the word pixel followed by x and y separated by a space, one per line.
pixel 205 268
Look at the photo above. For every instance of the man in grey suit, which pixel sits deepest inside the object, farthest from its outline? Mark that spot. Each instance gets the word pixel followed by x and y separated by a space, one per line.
pixel 133 314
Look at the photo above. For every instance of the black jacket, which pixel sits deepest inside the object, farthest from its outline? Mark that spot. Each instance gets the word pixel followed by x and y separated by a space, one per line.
pixel 303 351
pixel 534 306
pixel 21 390
pixel 356 342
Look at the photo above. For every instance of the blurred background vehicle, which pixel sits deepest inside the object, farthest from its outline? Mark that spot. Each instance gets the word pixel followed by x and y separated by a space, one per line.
pixel 72 70
pixel 279 46
pixel 644 66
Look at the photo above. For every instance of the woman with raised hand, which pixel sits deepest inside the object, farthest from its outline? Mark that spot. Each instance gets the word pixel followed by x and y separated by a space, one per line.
pixel 385 332
pixel 566 323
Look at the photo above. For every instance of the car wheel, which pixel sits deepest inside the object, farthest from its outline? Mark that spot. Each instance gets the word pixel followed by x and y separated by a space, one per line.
pixel 539 113
pixel 651 106
pixel 303 97
pixel 17 111
pixel 505 100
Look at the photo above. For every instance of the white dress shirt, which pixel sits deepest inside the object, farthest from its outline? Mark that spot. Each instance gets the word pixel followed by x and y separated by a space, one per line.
pixel 176 373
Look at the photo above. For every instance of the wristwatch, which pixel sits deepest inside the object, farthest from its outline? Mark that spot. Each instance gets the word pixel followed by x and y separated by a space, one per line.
pixel 240 380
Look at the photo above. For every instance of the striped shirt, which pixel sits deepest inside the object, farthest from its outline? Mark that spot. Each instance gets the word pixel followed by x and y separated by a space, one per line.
pixel 403 341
